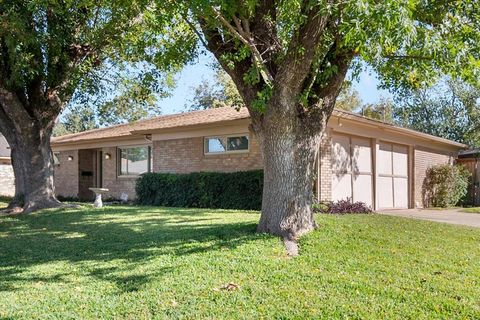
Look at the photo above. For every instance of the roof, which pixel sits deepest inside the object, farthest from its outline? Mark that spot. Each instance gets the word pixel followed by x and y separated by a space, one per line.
pixel 392 127
pixel 210 117
pixel 4 148
pixel 469 154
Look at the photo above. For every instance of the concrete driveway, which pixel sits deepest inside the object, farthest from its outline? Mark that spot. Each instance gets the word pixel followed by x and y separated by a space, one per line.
pixel 452 216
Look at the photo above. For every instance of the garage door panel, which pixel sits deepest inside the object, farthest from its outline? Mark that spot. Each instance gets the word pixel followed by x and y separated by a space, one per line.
pixel 392 167
pixel 400 187
pixel 361 155
pixel 385 194
pixel 362 189
pixel 341 153
pixel 384 156
pixel 341 186
pixel 400 160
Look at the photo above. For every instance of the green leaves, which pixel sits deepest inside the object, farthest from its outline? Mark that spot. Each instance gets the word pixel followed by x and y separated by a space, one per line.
pixel 450 109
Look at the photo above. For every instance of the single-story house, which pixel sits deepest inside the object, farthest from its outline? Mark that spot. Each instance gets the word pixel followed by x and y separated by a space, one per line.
pixel 363 159
pixel 7 179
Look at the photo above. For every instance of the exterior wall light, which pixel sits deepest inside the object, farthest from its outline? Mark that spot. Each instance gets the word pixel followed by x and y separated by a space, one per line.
pixel 108 156
pixel 70 158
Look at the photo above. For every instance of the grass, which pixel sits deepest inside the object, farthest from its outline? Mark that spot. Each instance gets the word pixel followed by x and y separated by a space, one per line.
pixel 471 210
pixel 4 201
pixel 144 262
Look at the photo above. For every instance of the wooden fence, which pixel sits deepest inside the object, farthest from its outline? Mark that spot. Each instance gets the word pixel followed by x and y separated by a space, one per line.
pixel 473 165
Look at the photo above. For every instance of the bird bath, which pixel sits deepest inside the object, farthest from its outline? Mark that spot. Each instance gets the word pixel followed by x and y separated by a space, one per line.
pixel 98 196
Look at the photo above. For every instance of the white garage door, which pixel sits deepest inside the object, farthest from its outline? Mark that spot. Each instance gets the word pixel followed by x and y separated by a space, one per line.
pixel 352 169
pixel 392 166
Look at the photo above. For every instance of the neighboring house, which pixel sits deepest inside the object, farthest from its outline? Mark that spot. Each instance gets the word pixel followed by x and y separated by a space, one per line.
pixel 471 160
pixel 363 159
pixel 7 180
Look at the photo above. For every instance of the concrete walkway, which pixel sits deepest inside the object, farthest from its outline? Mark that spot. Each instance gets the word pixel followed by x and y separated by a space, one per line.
pixel 452 216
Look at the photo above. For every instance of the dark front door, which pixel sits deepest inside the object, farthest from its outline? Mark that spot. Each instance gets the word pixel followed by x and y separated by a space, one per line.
pixel 86 173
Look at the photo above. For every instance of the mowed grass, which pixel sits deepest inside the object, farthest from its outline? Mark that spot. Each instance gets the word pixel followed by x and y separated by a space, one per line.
pixel 144 262
pixel 471 210
pixel 4 202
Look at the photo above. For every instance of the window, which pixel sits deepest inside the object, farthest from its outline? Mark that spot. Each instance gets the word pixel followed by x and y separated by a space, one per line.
pixel 226 144
pixel 134 160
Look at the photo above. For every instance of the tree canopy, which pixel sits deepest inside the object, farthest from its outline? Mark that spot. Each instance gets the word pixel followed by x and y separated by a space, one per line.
pixel 450 109
pixel 54 51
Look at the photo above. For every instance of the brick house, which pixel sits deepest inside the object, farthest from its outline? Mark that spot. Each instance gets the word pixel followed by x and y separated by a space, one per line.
pixel 7 180
pixel 367 160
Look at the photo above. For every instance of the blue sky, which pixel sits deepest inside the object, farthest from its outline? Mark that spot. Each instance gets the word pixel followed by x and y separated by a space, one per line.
pixel 193 74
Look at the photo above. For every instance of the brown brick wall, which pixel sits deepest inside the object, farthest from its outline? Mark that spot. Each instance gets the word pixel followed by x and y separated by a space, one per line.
pixel 187 155
pixel 425 158
pixel 326 168
pixel 66 174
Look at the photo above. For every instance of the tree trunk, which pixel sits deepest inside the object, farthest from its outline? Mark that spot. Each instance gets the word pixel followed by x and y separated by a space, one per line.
pixel 33 168
pixel 18 201
pixel 37 161
pixel 289 154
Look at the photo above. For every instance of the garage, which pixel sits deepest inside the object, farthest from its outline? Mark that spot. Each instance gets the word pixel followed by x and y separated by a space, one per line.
pixel 352 176
pixel 392 166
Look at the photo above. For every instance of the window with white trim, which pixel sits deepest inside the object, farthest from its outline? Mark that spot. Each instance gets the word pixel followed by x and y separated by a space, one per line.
pixel 226 144
pixel 133 161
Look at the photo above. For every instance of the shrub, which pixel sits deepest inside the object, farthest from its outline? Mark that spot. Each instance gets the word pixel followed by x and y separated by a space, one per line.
pixel 445 185
pixel 342 207
pixel 236 190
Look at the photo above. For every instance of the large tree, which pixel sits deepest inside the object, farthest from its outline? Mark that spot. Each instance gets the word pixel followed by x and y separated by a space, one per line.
pixel 288 60
pixel 48 50
pixel 450 109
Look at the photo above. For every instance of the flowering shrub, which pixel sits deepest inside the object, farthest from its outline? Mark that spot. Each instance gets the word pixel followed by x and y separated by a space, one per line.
pixel 342 207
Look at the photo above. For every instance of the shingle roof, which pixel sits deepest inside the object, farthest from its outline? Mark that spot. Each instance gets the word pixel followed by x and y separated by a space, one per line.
pixel 210 116
pixel 162 122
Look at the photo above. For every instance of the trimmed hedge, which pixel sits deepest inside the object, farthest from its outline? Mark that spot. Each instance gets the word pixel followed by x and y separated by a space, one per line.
pixel 236 190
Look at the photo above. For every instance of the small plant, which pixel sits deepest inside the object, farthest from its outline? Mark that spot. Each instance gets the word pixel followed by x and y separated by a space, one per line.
pixel 342 207
pixel 445 185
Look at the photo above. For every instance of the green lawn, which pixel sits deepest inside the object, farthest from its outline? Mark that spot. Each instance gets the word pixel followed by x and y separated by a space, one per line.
pixel 143 262
pixel 472 210
pixel 4 202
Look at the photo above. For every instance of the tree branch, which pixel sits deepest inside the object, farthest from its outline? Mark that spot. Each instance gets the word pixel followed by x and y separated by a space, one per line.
pixel 248 41
pixel 407 57
pixel 302 50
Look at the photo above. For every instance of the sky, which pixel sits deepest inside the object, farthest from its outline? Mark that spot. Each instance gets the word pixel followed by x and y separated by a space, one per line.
pixel 192 75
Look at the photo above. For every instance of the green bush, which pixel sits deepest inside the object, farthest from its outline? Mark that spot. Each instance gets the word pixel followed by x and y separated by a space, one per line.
pixel 445 185
pixel 236 190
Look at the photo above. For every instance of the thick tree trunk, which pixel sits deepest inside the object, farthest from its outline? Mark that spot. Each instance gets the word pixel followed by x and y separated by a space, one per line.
pixel 37 166
pixel 289 153
pixel 33 168
pixel 16 205
pixel 27 130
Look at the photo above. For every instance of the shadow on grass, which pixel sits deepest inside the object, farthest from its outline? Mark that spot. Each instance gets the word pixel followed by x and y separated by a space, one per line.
pixel 132 234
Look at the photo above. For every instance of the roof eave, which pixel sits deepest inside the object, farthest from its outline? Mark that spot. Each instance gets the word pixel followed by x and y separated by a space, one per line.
pixel 391 127
pixel 190 126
